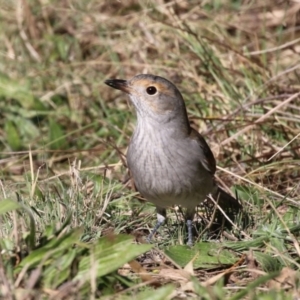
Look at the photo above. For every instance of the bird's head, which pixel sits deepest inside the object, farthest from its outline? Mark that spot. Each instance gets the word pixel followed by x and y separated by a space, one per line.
pixel 153 97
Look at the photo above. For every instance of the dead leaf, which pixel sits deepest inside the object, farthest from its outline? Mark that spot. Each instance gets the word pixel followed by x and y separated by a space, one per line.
pixel 180 276
pixel 227 273
pixel 137 268
pixel 214 279
pixel 285 280
pixel 189 286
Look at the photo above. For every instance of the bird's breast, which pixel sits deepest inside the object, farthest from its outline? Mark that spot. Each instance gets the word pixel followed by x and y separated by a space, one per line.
pixel 167 171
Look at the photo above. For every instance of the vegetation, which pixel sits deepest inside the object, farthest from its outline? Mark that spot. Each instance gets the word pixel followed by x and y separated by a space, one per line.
pixel 71 226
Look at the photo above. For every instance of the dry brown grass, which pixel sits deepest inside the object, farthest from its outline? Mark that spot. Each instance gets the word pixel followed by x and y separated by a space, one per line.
pixel 236 63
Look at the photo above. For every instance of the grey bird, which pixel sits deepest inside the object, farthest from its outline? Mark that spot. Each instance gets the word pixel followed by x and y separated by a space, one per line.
pixel 170 162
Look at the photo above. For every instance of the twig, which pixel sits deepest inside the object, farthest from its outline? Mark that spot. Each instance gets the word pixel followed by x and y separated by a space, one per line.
pixel 259 120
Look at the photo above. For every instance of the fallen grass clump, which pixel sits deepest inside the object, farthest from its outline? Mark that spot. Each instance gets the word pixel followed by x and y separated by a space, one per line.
pixel 69 218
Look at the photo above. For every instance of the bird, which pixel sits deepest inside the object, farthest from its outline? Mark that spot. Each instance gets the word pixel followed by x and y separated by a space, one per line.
pixel 170 162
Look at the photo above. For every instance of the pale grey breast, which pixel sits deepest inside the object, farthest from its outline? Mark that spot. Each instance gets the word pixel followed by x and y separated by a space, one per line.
pixel 165 170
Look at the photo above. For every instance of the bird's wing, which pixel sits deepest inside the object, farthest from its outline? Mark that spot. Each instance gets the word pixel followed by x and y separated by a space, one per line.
pixel 207 158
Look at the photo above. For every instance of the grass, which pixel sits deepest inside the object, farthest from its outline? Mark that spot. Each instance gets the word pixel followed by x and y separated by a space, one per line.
pixel 69 217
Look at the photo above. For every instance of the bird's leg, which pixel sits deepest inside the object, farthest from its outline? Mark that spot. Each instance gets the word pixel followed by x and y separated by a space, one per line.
pixel 189 216
pixel 161 217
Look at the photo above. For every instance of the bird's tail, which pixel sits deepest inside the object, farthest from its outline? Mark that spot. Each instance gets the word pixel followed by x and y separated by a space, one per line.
pixel 229 205
pixel 226 201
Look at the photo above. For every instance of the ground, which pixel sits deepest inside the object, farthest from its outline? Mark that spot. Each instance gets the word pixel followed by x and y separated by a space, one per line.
pixel 72 225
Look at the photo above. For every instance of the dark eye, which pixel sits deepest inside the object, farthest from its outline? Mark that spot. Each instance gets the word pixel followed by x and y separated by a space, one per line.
pixel 151 90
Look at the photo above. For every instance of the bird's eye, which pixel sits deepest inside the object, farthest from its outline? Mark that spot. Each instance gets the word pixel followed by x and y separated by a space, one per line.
pixel 151 90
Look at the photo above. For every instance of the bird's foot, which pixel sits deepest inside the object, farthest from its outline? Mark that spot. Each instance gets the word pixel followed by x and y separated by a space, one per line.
pixel 190 233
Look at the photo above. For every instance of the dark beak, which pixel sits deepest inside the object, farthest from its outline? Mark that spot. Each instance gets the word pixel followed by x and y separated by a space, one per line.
pixel 118 84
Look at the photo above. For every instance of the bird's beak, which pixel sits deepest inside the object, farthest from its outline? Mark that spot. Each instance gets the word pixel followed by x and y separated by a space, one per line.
pixel 119 84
